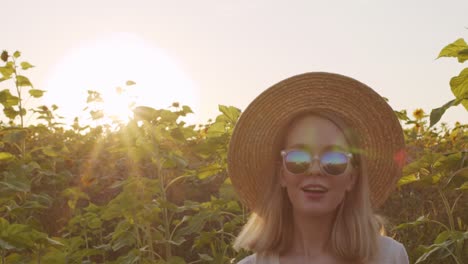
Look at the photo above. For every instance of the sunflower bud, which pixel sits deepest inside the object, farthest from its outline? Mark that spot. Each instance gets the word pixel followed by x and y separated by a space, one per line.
pixel 4 56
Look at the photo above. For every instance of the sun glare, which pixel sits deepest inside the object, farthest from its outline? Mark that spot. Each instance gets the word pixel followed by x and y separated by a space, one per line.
pixel 105 65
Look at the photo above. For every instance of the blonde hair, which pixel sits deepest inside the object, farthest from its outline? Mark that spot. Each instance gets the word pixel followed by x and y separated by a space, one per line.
pixel 354 232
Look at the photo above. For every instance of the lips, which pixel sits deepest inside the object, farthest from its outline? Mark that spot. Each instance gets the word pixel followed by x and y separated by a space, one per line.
pixel 314 188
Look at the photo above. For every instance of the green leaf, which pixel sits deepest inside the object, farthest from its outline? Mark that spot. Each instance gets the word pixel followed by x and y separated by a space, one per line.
pixel 132 257
pixel 129 83
pixel 177 134
pixel 216 130
pixel 94 96
pixel 463 55
pixel 177 241
pixel 195 224
pixel 5 245
pixel 205 257
pixel 461 173
pixel 95 223
pixel 7 99
pixel 49 151
pixel 10 112
pixel 17 54
pixel 463 187
pixel 33 205
pixel 3 223
pixel 123 240
pixel 145 113
pixel 23 81
pixel 209 170
pixel 6 156
pixel 36 93
pixel 442 237
pixel 230 112
pixel 421 220
pixel 402 115
pixel 97 114
pixel 452 50
pixel 17 184
pixel 459 86
pixel 428 251
pixel 204 239
pixel 7 71
pixel 186 109
pixel 168 116
pixel 26 65
pixel 54 242
pixel 75 193
pixel 226 191
pixel 436 113
pixel 407 179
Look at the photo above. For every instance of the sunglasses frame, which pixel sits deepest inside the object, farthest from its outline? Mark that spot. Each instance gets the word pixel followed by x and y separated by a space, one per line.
pixel 314 158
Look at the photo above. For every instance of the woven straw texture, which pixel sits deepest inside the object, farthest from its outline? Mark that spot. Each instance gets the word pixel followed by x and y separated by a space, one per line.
pixel 254 146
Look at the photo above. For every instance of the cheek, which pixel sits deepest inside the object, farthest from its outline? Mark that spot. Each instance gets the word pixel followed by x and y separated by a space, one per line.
pixel 342 185
pixel 290 181
pixel 294 194
pixel 343 181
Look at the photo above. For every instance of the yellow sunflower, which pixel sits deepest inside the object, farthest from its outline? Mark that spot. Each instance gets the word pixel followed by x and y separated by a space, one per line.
pixel 419 114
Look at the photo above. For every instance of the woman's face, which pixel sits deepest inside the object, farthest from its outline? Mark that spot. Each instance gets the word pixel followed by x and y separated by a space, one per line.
pixel 315 192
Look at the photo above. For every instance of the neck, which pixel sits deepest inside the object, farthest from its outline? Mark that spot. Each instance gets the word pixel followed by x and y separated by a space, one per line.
pixel 311 234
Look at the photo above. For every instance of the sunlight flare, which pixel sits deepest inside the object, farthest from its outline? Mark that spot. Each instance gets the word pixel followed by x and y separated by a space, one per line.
pixel 126 71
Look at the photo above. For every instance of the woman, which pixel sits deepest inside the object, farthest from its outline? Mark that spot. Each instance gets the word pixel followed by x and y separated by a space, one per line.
pixel 312 156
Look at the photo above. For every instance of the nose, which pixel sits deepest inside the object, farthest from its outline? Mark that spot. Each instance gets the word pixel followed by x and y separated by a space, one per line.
pixel 314 168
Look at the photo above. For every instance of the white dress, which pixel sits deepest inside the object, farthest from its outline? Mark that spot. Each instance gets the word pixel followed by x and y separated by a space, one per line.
pixel 390 252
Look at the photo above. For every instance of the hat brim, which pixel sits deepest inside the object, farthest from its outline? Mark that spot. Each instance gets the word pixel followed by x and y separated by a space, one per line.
pixel 252 150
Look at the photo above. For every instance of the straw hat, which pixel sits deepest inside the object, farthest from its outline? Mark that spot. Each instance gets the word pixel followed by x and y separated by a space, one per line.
pixel 255 144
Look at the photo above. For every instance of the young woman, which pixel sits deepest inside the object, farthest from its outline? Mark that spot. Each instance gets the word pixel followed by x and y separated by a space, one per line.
pixel 312 157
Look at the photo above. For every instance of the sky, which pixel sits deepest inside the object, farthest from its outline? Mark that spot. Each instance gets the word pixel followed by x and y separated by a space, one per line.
pixel 209 52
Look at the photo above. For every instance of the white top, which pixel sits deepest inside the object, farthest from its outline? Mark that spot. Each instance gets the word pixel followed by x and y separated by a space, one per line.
pixel 391 252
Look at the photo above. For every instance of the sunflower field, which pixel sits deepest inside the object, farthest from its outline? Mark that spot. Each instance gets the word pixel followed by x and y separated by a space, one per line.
pixel 156 190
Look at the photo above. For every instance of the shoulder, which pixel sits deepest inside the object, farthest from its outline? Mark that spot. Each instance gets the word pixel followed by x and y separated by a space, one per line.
pixel 391 251
pixel 262 258
pixel 248 260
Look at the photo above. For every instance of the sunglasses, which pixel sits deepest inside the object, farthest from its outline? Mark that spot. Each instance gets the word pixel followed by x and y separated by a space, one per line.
pixel 333 162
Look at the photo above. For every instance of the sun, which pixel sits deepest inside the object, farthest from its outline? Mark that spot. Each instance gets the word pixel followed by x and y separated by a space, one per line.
pixel 125 70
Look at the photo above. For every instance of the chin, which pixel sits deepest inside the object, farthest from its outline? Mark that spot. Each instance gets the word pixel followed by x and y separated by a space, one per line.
pixel 317 211
pixel 317 208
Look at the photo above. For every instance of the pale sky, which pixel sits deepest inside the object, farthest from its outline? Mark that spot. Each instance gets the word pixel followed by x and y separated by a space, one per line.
pixel 227 52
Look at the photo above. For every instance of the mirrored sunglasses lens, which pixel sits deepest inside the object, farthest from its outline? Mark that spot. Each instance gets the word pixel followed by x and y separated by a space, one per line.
pixel 297 161
pixel 334 163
